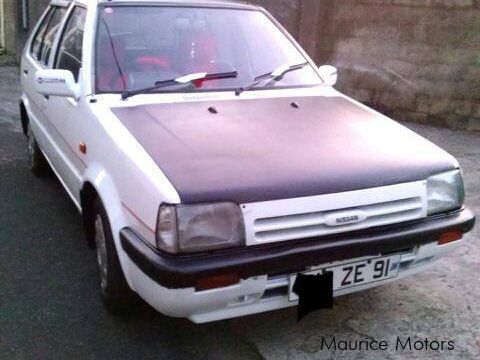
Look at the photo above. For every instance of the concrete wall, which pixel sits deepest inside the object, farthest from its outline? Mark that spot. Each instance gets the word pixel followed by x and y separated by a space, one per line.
pixel 415 60
pixel 10 24
pixel 412 59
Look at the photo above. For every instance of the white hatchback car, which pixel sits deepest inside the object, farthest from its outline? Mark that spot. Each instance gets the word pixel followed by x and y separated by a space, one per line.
pixel 217 170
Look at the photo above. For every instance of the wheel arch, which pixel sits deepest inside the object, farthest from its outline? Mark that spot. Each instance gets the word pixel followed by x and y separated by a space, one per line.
pixel 97 184
pixel 23 117
pixel 88 196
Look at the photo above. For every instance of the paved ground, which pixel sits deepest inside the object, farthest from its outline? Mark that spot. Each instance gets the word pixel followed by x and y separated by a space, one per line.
pixel 50 307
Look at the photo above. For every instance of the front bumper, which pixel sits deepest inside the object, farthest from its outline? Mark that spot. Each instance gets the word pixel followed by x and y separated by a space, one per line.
pixel 168 282
pixel 177 272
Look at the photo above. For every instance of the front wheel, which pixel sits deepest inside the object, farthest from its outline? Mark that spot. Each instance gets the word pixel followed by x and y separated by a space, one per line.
pixel 117 296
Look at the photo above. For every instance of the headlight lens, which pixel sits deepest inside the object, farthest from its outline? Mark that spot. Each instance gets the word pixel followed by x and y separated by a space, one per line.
pixel 445 192
pixel 197 228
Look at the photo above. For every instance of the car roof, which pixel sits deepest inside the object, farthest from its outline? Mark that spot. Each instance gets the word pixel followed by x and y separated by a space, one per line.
pixel 207 3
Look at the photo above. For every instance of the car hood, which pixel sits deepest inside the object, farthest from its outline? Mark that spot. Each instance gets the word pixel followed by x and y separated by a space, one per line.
pixel 265 149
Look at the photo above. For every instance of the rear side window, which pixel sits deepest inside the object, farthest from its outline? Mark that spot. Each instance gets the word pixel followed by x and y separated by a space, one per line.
pixel 70 51
pixel 37 40
pixel 42 48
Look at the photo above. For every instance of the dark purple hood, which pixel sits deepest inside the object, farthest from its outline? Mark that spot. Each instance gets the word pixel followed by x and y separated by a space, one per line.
pixel 266 149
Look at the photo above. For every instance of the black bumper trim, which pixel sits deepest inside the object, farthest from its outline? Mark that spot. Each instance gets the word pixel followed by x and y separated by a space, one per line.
pixel 176 272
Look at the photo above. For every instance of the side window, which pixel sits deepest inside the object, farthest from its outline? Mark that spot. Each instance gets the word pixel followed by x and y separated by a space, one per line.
pixel 38 39
pixel 51 31
pixel 70 51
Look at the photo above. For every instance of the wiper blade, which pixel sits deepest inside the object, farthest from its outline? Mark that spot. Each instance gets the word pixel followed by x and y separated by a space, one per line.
pixel 274 75
pixel 179 81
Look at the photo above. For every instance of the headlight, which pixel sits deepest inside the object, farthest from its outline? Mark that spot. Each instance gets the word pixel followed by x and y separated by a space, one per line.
pixel 197 228
pixel 445 192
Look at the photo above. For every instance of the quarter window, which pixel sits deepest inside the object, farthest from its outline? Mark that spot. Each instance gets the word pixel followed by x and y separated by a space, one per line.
pixel 70 51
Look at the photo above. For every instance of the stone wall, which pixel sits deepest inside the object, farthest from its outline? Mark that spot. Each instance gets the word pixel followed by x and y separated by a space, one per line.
pixel 415 60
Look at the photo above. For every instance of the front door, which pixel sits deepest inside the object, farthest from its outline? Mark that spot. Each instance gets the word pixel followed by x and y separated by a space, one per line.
pixel 68 115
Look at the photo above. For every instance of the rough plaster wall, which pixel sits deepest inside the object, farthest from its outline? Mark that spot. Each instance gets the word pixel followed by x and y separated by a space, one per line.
pixel 416 60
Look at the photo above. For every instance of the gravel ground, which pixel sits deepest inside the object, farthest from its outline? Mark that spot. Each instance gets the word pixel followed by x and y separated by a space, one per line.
pixel 50 306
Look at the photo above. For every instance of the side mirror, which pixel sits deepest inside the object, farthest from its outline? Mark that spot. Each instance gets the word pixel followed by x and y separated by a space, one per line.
pixel 56 83
pixel 329 74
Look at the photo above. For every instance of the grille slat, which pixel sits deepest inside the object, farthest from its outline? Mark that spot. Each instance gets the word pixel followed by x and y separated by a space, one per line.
pixel 394 207
pixel 289 221
pixel 292 233
pixel 317 219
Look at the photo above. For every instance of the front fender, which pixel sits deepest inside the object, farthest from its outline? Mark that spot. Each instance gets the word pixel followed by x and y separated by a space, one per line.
pixel 107 191
pixel 105 187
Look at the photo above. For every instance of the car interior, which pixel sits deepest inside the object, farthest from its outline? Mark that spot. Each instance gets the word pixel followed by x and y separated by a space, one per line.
pixel 194 50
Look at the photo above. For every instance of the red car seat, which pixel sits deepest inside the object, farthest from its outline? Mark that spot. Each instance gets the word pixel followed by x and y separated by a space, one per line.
pixel 111 69
pixel 199 54
pixel 152 63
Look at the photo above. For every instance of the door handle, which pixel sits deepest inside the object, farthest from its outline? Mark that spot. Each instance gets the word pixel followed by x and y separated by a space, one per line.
pixel 25 71
pixel 46 97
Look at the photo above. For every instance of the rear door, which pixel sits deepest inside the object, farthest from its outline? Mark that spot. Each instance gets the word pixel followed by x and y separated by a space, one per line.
pixel 38 56
pixel 30 65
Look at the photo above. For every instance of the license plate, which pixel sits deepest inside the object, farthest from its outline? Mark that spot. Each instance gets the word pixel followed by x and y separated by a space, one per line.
pixel 349 275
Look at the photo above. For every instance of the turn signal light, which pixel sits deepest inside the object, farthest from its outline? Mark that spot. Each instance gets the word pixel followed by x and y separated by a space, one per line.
pixel 218 281
pixel 450 236
pixel 82 147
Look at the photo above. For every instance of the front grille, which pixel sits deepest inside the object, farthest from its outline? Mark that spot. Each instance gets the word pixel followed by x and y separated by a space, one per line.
pixel 302 218
pixel 307 225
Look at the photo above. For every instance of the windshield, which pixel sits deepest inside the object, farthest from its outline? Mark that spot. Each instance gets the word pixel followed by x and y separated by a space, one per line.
pixel 138 46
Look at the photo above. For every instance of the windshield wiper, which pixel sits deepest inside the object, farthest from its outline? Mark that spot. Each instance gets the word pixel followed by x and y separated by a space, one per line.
pixel 180 81
pixel 274 75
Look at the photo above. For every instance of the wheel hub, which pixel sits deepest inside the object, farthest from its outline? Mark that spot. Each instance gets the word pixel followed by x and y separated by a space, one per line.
pixel 101 251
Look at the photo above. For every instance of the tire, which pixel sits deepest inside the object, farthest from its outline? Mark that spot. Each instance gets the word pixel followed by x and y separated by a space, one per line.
pixel 117 296
pixel 38 163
